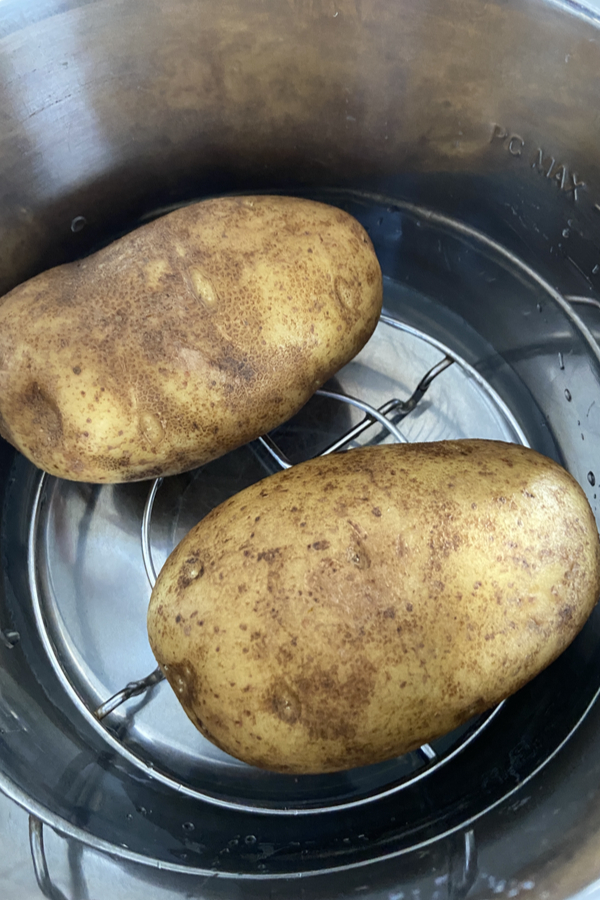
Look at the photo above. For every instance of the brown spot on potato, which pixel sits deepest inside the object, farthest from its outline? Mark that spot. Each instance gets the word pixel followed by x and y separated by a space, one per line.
pixel 566 614
pixel 357 554
pixel 45 416
pixel 269 555
pixel 285 704
pixel 190 571
pixel 319 545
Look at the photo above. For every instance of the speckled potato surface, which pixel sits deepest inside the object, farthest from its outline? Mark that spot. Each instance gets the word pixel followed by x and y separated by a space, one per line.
pixel 184 339
pixel 356 606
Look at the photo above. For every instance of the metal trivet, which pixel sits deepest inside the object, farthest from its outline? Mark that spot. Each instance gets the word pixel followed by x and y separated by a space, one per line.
pixel 400 409
pixel 388 416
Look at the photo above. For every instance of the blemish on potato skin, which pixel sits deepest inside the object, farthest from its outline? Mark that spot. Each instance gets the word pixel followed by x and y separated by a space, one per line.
pixel 44 415
pixel 191 570
pixel 184 680
pixel 269 555
pixel 151 429
pixel 285 704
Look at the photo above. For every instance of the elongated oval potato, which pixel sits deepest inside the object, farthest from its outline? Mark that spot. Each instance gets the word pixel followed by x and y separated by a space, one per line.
pixel 184 339
pixel 359 605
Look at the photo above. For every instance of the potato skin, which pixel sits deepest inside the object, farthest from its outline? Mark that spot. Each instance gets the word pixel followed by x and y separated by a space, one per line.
pixel 184 339
pixel 356 606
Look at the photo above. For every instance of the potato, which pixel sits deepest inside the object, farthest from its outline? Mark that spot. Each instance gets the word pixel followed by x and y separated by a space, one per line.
pixel 184 339
pixel 356 606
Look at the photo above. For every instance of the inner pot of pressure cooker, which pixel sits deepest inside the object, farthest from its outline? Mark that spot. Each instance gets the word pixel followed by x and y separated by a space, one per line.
pixel 463 137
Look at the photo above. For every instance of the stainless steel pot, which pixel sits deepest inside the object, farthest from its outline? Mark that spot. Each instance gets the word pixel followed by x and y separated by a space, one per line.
pixel 464 136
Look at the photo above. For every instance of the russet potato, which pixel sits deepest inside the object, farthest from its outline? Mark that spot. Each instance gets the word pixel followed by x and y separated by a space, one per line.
pixel 184 339
pixel 356 606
